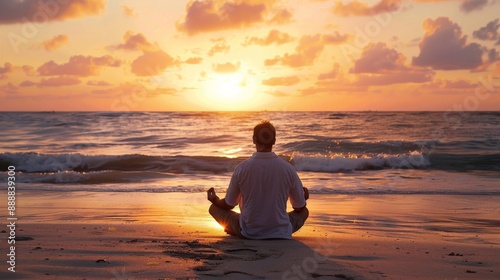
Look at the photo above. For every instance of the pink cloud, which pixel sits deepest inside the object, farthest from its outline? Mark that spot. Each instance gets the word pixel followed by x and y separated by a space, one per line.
pixel 273 37
pixel 58 82
pixel 281 81
pixel 226 68
pixel 55 43
pixel 45 11
pixel 7 68
pixel 194 60
pixel 152 63
pixel 135 42
pixel 445 48
pixel 378 58
pixel 128 11
pixel 98 83
pixel 281 16
pixel 219 47
pixel 472 5
pixel 137 91
pixel 78 65
pixel 489 32
pixel 308 50
pixel 357 8
pixel 8 88
pixel 213 15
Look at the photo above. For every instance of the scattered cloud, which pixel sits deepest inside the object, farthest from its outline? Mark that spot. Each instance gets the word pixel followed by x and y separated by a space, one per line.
pixel 281 81
pixel 58 82
pixel 52 82
pixel 332 74
pixel 381 65
pixel 378 58
pixel 8 88
pixel 219 47
pixel 98 83
pixel 472 5
pixel 55 43
pixel 78 65
pixel 45 11
pixel 445 48
pixel 153 60
pixel 281 16
pixel 128 11
pixel 308 50
pixel 273 37
pixel 194 60
pixel 226 68
pixel 489 32
pixel 212 15
pixel 135 42
pixel 357 8
pixel 7 68
pixel 136 90
pixel 152 63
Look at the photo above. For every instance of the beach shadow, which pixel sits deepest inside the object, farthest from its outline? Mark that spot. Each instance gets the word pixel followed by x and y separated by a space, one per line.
pixel 235 258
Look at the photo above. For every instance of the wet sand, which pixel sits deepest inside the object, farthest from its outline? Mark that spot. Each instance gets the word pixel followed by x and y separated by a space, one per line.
pixel 89 235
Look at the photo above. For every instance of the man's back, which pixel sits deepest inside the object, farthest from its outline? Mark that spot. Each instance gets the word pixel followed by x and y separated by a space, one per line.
pixel 262 185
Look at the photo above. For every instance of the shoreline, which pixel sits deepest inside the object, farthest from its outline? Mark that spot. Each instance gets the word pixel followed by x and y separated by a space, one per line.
pixel 76 235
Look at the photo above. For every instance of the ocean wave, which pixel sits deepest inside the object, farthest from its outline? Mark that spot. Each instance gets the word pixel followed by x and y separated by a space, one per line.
pixel 321 163
pixel 307 162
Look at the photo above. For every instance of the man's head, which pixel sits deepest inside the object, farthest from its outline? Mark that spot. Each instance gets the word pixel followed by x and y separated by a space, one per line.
pixel 264 135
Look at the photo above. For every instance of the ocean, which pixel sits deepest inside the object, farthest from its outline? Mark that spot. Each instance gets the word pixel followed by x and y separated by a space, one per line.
pixel 348 153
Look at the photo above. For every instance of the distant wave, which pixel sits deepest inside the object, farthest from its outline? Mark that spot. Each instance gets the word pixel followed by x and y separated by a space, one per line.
pixel 307 162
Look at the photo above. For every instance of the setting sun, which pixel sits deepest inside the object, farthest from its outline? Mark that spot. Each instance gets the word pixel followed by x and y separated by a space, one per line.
pixel 229 91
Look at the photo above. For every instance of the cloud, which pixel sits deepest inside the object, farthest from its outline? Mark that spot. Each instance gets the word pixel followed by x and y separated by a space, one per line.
pixel 381 65
pixel 58 82
pixel 281 81
pixel 12 11
pixel 356 8
pixel 8 88
pixel 98 83
pixel 128 11
pixel 78 65
pixel 194 60
pixel 273 37
pixel 137 91
pixel 219 47
pixel 489 32
pixel 472 5
pixel 214 15
pixel 281 16
pixel 55 43
pixel 135 42
pixel 378 58
pixel 153 60
pixel 6 69
pixel 445 48
pixel 330 75
pixel 52 82
pixel 152 63
pixel 308 50
pixel 226 68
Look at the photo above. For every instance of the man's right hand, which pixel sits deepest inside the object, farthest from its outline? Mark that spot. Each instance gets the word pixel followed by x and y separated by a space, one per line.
pixel 211 196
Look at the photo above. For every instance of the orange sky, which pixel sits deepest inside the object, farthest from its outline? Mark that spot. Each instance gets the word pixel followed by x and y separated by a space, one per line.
pixel 97 55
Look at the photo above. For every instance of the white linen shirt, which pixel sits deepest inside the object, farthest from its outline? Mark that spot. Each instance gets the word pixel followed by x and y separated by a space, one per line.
pixel 261 185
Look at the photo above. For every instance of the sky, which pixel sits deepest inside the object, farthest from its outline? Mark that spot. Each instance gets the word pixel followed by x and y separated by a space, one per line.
pixel 245 55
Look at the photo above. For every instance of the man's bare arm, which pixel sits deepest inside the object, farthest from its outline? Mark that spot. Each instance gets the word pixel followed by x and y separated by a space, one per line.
pixel 212 197
pixel 306 196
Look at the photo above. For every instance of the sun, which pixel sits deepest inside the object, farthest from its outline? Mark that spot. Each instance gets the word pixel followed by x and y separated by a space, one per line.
pixel 233 91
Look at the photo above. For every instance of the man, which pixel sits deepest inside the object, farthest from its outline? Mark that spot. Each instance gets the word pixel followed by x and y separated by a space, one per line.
pixel 261 185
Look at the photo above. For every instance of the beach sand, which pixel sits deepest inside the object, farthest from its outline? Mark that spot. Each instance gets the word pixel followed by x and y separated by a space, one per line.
pixel 89 235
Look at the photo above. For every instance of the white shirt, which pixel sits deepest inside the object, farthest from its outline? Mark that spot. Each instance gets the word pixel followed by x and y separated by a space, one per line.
pixel 262 185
